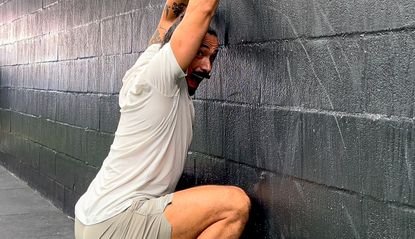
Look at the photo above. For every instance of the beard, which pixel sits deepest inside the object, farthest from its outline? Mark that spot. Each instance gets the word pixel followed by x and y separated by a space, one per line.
pixel 194 80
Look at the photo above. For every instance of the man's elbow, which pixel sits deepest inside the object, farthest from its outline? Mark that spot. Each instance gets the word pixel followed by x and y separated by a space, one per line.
pixel 207 8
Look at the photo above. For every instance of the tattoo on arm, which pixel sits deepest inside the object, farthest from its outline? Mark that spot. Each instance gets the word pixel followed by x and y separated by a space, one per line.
pixel 178 8
pixel 156 38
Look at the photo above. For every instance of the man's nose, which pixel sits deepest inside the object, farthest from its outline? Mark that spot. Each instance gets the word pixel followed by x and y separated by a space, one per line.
pixel 206 65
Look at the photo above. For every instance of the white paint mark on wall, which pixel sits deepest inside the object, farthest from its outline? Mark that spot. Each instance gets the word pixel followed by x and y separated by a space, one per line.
pixel 349 217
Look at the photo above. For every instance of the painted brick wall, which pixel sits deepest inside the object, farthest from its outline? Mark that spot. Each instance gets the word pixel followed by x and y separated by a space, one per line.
pixel 311 107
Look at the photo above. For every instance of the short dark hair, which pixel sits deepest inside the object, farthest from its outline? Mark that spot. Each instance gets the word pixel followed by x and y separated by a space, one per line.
pixel 173 27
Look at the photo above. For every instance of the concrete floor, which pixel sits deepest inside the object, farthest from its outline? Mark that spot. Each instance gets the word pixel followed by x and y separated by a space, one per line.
pixel 24 213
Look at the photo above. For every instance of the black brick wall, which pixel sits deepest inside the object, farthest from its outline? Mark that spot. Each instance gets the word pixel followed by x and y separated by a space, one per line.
pixel 311 107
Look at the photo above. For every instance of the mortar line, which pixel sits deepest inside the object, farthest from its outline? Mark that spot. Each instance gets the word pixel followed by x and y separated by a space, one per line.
pixel 370 116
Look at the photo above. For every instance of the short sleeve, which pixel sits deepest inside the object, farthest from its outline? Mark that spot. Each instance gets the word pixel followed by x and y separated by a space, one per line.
pixel 163 71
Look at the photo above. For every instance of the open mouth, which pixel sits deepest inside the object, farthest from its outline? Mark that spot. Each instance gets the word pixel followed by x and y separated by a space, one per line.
pixel 199 76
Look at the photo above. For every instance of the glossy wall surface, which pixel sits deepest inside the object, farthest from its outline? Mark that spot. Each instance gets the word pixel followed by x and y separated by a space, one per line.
pixel 310 108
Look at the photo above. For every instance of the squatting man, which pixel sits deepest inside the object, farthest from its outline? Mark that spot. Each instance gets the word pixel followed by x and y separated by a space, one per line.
pixel 132 196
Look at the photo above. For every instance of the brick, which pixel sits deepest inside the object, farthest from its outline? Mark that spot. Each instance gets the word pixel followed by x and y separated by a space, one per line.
pixel 88 111
pixel 52 190
pixel 46 3
pixel 35 127
pixel 52 76
pixel 389 162
pixel 9 11
pixel 88 40
pixel 51 19
pixel 63 113
pixel 4 98
pixel 24 151
pixel 48 101
pixel 279 141
pixel 240 85
pixel 84 177
pixel 37 30
pixel 239 132
pixel 11 56
pixel 108 73
pixel 69 202
pixel 50 44
pixel 247 20
pixel 4 120
pixel 294 209
pixel 19 124
pixel 72 116
pixel 47 162
pixel 97 147
pixel 66 45
pixel 67 14
pixel 208 128
pixel 66 170
pixel 66 75
pixel 94 66
pixel 74 142
pixel 374 159
pixel 3 33
pixel 109 114
pixel 59 195
pixel 111 8
pixel 122 64
pixel 19 105
pixel 79 81
pixel 23 74
pixel 387 221
pixel 144 22
pixel 42 77
pixel 28 6
pixel 86 11
pixel 30 45
pixel 36 106
pixel 36 82
pixel 2 56
pixel 209 170
pixel 20 28
pixel 49 132
pixel 33 155
pixel 10 76
pixel 22 52
pixel 388 59
pixel 116 35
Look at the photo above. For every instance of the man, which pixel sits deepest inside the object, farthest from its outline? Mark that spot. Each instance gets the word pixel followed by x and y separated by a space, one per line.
pixel 132 194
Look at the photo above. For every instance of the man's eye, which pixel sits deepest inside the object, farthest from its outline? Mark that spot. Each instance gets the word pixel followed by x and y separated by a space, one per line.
pixel 199 53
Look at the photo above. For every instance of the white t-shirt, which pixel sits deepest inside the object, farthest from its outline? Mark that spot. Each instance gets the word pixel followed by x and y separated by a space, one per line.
pixel 150 146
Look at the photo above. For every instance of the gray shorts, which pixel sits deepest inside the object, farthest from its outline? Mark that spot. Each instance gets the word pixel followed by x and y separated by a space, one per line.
pixel 143 219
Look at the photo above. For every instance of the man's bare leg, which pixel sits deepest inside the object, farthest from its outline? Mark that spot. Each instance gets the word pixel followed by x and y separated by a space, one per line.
pixel 208 212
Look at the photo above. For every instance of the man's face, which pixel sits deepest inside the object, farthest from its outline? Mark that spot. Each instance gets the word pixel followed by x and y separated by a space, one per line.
pixel 202 63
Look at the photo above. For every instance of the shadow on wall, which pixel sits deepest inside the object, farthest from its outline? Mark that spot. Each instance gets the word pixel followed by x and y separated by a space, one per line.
pixel 276 203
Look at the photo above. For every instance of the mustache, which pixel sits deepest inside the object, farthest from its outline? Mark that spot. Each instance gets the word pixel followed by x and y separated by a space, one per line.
pixel 200 75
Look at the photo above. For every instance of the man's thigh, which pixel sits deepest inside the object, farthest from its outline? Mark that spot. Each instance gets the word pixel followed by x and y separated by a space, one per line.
pixel 195 209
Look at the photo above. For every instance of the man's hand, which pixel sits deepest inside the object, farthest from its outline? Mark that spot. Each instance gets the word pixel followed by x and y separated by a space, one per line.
pixel 172 11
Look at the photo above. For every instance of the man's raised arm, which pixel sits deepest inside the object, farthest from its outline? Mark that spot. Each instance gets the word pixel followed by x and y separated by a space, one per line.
pixel 172 10
pixel 187 38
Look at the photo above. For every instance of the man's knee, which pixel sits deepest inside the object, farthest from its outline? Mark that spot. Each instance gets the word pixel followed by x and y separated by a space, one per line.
pixel 240 202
